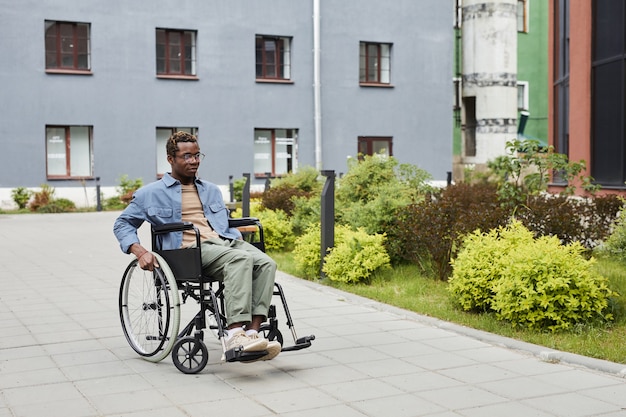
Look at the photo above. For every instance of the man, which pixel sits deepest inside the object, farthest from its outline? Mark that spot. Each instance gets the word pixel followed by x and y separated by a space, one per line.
pixel 247 273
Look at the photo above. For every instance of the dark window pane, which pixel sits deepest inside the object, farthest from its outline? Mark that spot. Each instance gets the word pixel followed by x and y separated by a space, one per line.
pixel 608 117
pixel 272 57
pixel 372 63
pixel 608 28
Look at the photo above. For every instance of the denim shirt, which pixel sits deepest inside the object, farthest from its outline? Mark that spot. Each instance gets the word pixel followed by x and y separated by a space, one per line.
pixel 161 202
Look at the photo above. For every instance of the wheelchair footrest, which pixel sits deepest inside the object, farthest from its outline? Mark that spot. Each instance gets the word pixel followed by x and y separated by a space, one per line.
pixel 239 355
pixel 301 343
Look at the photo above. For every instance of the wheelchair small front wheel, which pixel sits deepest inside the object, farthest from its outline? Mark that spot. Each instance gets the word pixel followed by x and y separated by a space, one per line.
pixel 271 333
pixel 149 310
pixel 190 355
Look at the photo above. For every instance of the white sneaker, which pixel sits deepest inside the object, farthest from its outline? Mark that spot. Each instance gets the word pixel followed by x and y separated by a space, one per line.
pixel 273 349
pixel 249 344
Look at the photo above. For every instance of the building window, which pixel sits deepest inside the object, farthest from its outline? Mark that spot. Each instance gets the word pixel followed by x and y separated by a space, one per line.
pixel 175 52
pixel 608 93
pixel 69 152
pixel 522 15
pixel 162 135
pixel 561 76
pixel 375 145
pixel 458 93
pixel 273 58
pixel 274 151
pixel 67 46
pixel 522 95
pixel 374 63
pixel 469 126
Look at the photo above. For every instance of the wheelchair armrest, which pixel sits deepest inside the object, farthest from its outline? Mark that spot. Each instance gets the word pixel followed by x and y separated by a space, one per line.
pixel 172 227
pixel 249 227
pixel 243 221
pixel 162 229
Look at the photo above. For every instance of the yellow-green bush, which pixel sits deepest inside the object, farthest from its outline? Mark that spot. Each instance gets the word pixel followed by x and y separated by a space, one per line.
pixel 354 257
pixel 536 283
pixel 615 244
pixel 357 256
pixel 307 252
pixel 277 230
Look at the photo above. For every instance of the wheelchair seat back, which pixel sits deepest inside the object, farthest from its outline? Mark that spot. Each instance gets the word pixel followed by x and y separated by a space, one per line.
pixel 186 264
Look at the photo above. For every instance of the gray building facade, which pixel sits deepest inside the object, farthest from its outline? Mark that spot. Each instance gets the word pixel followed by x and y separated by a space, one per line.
pixel 92 88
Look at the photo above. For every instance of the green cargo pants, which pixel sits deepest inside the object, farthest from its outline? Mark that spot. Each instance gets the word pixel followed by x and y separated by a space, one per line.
pixel 247 273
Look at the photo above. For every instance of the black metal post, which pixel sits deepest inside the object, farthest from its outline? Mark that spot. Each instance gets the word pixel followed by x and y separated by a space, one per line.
pixel 449 178
pixel 268 180
pixel 245 199
pixel 98 198
pixel 231 188
pixel 327 215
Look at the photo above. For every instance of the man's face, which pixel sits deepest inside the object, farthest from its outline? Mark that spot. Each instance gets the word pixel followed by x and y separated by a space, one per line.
pixel 183 169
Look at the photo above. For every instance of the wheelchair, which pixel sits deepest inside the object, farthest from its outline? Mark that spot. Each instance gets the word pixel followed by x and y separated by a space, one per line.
pixel 150 304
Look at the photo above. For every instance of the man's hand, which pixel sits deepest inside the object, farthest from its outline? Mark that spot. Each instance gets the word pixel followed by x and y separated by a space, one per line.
pixel 146 259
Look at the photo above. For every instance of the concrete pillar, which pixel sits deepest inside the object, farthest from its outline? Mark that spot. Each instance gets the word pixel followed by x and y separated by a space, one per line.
pixel 489 33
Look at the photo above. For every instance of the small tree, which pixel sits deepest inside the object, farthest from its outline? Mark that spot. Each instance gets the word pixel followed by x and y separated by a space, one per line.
pixel 21 196
pixel 527 169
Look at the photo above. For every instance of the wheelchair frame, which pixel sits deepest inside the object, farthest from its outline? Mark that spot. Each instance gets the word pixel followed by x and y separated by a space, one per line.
pixel 149 304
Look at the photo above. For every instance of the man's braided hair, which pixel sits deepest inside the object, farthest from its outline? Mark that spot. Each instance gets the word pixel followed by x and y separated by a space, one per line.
pixel 172 142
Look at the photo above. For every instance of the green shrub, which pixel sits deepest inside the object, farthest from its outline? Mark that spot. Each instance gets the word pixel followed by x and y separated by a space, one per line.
pixel 125 189
pixel 357 256
pixel 277 230
pixel 615 244
pixel 345 262
pixel 535 283
pixel 238 185
pixel 20 196
pixel 303 184
pixel 476 269
pixel 306 213
pixel 306 179
pixel 113 203
pixel 373 190
pixel 58 205
pixel 307 252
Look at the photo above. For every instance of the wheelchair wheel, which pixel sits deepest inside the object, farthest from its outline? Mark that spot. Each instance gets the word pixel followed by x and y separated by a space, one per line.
pixel 150 309
pixel 190 355
pixel 271 334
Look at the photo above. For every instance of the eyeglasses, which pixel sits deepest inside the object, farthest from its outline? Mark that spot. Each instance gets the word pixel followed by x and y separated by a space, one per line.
pixel 188 157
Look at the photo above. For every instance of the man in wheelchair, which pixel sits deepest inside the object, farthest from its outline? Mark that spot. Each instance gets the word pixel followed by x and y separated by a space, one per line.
pixel 247 273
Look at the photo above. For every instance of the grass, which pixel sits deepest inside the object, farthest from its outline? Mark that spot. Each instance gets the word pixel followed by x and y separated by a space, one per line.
pixel 406 287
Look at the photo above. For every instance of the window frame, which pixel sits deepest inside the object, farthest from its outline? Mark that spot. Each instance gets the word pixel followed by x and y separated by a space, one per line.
pixel 164 56
pixel 365 69
pixel 292 161
pixel 561 76
pixel 524 85
pixel 58 37
pixel 608 95
pixel 68 155
pixel 369 141
pixel 524 22
pixel 281 56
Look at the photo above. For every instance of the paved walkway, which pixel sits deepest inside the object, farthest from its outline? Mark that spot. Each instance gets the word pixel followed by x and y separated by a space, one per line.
pixel 62 352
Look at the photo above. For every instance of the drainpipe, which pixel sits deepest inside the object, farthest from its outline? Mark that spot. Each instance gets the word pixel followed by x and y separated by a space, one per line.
pixel 317 85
